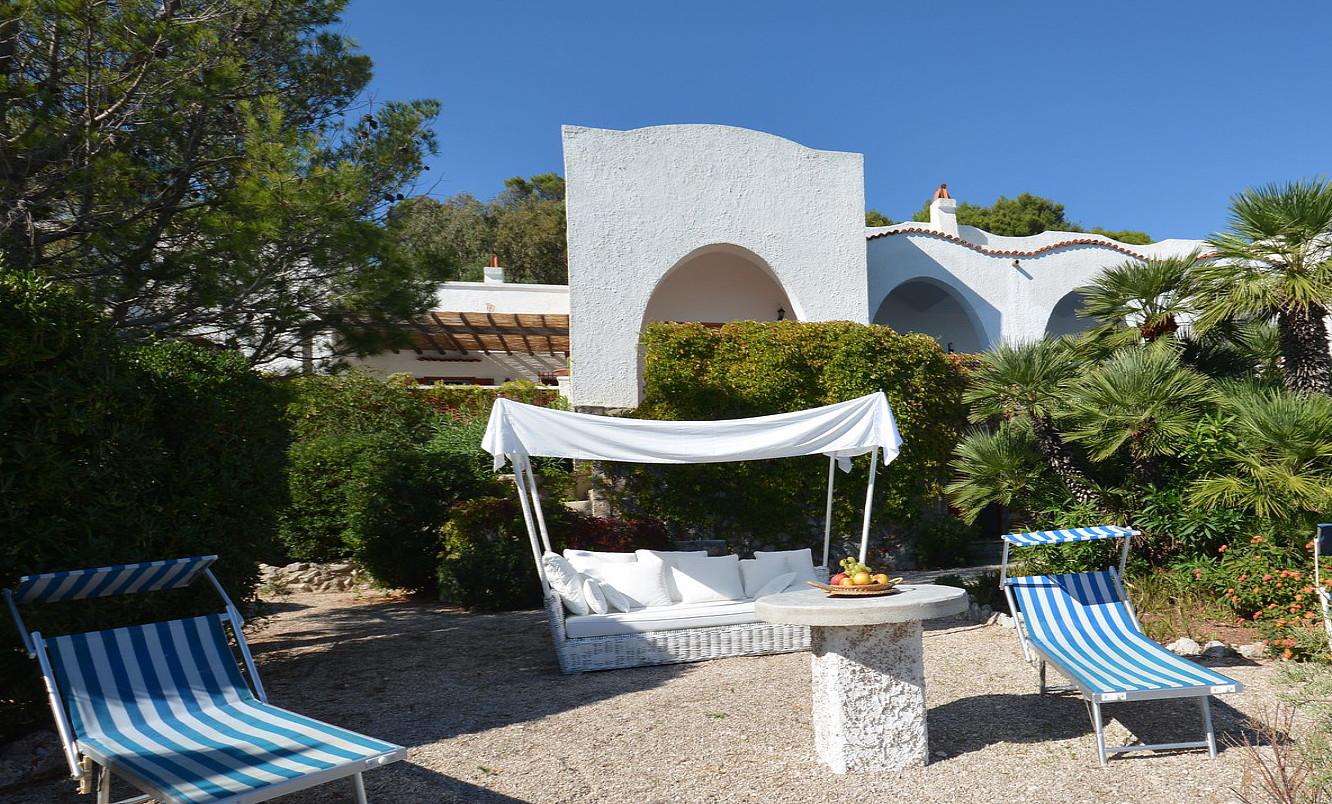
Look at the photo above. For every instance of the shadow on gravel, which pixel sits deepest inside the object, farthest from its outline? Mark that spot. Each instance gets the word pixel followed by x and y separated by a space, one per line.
pixel 971 724
pixel 416 672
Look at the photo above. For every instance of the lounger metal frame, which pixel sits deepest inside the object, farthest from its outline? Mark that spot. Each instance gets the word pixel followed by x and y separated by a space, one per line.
pixel 91 769
pixel 1323 544
pixel 1094 700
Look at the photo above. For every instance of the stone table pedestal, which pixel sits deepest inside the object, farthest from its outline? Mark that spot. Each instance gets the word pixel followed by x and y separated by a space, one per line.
pixel 868 671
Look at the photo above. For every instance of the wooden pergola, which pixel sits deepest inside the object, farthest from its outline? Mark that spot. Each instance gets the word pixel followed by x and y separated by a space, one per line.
pixel 491 333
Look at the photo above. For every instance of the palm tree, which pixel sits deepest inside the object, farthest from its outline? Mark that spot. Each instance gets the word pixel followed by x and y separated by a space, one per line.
pixel 1148 296
pixel 1026 381
pixel 1281 467
pixel 1275 261
pixel 1001 466
pixel 1142 400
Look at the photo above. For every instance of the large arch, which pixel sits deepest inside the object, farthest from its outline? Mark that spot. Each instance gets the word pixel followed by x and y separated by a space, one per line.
pixel 719 283
pixel 1064 318
pixel 931 307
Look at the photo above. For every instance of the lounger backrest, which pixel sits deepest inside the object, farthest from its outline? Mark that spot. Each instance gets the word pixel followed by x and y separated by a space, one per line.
pixel 114 682
pixel 121 579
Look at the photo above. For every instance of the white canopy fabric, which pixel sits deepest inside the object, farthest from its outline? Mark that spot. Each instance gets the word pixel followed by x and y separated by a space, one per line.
pixel 842 430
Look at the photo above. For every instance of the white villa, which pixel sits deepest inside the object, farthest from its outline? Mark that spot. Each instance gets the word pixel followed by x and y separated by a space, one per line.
pixel 715 223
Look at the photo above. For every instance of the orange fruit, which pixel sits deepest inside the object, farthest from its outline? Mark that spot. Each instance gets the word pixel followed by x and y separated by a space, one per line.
pixel 860 578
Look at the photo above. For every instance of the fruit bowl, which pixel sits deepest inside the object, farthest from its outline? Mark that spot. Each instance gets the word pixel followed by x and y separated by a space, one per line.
pixel 865 590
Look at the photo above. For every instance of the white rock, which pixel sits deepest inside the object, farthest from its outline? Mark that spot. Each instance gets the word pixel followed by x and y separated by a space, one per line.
pixel 1217 650
pixel 302 587
pixel 1005 620
pixel 1184 647
pixel 1253 650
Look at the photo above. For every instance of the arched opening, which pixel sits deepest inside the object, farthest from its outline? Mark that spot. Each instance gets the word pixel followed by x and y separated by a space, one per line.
pixel 932 308
pixel 716 284
pixel 1064 318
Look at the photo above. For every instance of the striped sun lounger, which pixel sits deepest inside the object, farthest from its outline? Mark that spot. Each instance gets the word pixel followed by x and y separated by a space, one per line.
pixel 165 706
pixel 1083 624
pixel 1323 547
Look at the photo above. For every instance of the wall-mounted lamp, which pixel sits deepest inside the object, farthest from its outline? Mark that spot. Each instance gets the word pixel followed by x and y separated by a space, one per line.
pixel 781 313
pixel 1017 263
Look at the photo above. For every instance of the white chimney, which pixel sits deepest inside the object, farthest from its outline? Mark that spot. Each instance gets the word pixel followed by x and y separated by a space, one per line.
pixel 943 212
pixel 493 273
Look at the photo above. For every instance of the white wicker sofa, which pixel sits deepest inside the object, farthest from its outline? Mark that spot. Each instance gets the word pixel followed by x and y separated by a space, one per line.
pixel 667 634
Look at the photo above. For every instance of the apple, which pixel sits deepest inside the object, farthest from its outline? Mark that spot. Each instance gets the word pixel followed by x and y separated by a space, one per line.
pixel 836 579
pixel 881 578
pixel 860 578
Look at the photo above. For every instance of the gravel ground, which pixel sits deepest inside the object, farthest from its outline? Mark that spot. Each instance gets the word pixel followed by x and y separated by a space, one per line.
pixel 478 700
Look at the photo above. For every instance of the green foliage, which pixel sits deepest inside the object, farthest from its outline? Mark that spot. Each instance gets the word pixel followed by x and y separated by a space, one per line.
pixel 1269 585
pixel 983 588
pixel 998 466
pixel 874 217
pixel 749 369
pixel 1024 216
pixel 486 561
pixel 1143 299
pixel 113 453
pixel 452 239
pixel 188 169
pixel 357 402
pixel 941 541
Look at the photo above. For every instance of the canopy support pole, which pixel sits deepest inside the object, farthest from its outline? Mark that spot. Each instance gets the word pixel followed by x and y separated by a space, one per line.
pixel 536 506
pixel 869 504
pixel 527 519
pixel 827 514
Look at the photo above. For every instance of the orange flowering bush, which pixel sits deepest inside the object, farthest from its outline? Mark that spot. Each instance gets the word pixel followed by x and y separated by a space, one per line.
pixel 1271 588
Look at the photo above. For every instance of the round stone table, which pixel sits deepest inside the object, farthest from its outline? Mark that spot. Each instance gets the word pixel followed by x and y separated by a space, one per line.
pixel 868 671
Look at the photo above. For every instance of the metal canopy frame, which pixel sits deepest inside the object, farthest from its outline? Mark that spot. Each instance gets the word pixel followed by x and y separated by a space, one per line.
pixel 1094 700
pixel 524 479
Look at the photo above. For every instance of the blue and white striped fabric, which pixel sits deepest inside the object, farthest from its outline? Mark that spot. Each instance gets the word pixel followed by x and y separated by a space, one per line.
pixel 165 707
pixel 1093 533
pixel 122 579
pixel 1079 623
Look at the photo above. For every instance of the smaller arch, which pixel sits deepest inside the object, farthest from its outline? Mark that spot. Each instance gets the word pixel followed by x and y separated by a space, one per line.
pixel 1065 318
pixel 928 306
pixel 718 283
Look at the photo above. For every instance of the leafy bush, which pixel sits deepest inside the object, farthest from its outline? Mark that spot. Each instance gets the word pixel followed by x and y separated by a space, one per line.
pixel 486 560
pixel 1270 587
pixel 941 541
pixel 356 401
pixel 748 368
pixel 113 453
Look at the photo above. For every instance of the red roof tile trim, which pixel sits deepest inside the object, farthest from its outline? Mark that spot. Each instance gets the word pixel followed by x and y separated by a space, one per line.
pixel 1080 241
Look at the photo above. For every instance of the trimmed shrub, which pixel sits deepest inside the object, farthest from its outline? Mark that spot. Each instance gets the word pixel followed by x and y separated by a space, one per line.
pixel 486 561
pixel 114 453
pixel 748 368
pixel 940 541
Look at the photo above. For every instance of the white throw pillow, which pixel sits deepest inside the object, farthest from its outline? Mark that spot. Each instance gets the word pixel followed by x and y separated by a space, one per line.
pixel 596 599
pixel 566 581
pixel 799 561
pixel 669 557
pixel 703 579
pixel 614 600
pixel 757 572
pixel 593 563
pixel 642 583
pixel 774 586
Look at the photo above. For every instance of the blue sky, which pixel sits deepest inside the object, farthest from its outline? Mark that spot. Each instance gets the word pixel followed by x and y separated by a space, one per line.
pixel 1134 115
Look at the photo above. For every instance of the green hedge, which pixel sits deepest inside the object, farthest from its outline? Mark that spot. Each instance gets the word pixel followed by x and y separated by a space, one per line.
pixel 113 453
pixel 750 369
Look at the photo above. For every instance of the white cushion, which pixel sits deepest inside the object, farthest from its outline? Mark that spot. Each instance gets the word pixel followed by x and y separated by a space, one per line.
pixel 799 561
pixel 757 572
pixel 704 579
pixel 566 582
pixel 669 556
pixel 662 618
pixel 593 563
pixel 614 600
pixel 596 599
pixel 642 583
pixel 772 587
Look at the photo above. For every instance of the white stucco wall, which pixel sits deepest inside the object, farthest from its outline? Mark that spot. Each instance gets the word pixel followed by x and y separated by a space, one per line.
pixel 509 297
pixel 640 201
pixel 1007 302
pixel 722 283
